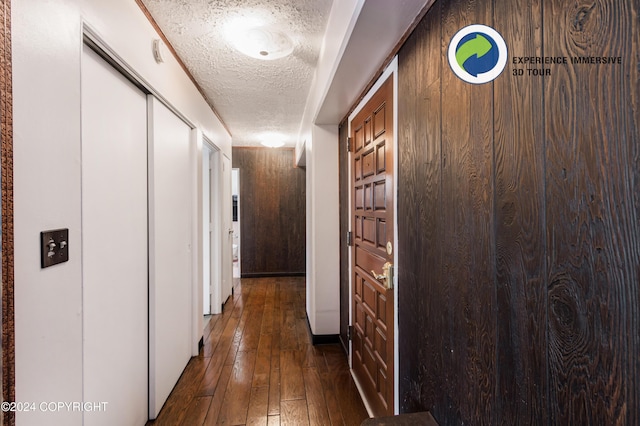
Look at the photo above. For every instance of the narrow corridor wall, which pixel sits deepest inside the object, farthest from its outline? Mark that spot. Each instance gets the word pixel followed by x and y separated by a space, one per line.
pixel 47 41
pixel 518 222
pixel 272 212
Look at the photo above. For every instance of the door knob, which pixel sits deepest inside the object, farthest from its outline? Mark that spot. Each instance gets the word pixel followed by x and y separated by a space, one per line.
pixel 387 275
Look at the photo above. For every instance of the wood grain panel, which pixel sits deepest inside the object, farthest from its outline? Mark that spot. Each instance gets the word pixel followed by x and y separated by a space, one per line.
pixel 381 233
pixel 520 222
pixel 358 136
pixel 318 414
pixel 379 120
pixel 291 379
pixel 294 413
pixel 368 167
pixel 519 250
pixel 425 377
pixel 197 411
pixel 258 406
pixel 369 298
pixel 467 223
pixel 379 195
pixel 382 308
pixel 6 169
pixel 216 402
pixel 368 197
pixel 184 391
pixel 369 230
pixel 272 212
pixel 359 198
pixel 593 238
pixel 381 165
pixel 368 261
pixel 263 362
pixel 237 396
pixel 411 145
pixel 367 132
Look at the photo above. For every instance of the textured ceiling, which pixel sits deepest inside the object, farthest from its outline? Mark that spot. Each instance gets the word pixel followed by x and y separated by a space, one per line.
pixel 252 96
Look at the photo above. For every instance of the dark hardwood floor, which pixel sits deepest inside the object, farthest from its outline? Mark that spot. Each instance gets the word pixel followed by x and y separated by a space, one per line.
pixel 258 366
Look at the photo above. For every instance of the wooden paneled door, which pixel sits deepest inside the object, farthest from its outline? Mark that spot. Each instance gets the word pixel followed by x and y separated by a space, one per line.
pixel 372 201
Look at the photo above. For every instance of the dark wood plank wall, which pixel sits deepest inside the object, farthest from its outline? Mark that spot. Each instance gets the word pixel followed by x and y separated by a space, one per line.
pixel 467 227
pixel 592 117
pixel 520 225
pixel 519 210
pixel 272 212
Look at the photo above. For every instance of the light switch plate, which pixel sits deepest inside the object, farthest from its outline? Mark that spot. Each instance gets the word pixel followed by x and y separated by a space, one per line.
pixel 54 247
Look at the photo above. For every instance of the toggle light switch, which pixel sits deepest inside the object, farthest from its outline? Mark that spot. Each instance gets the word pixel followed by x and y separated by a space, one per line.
pixel 54 247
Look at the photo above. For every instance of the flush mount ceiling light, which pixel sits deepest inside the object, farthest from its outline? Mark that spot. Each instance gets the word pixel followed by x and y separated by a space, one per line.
pixel 260 42
pixel 272 140
pixel 272 144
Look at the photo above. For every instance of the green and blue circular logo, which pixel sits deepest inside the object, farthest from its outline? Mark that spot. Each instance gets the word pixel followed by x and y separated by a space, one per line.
pixel 477 54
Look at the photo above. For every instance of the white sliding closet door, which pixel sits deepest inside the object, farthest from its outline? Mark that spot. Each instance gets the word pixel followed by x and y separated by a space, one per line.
pixel 114 245
pixel 170 280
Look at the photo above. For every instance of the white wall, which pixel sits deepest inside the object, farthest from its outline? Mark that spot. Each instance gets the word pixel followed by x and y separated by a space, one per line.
pixel 342 19
pixel 47 45
pixel 48 302
pixel 323 232
pixel 320 144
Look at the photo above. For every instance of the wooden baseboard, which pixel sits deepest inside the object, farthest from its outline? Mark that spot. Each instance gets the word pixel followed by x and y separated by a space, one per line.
pixel 322 339
pixel 271 274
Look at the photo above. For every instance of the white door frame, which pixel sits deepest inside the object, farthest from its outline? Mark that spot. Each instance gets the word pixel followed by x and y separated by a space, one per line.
pixel 226 243
pixel 391 70
pixel 215 176
pixel 236 172
pixel 206 228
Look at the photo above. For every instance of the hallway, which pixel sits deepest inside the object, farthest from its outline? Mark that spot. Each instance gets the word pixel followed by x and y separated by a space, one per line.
pixel 258 366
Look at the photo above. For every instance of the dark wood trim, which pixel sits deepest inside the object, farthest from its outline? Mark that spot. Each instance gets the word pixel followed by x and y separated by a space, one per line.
pixel 6 123
pixel 272 274
pixel 164 38
pixel 390 57
pixel 284 148
pixel 322 339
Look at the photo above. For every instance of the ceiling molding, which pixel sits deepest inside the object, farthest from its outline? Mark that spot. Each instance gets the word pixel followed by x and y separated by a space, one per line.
pixel 164 38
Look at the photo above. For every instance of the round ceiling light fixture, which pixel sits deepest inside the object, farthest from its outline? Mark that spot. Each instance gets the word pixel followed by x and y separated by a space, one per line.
pixel 270 143
pixel 272 140
pixel 262 42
